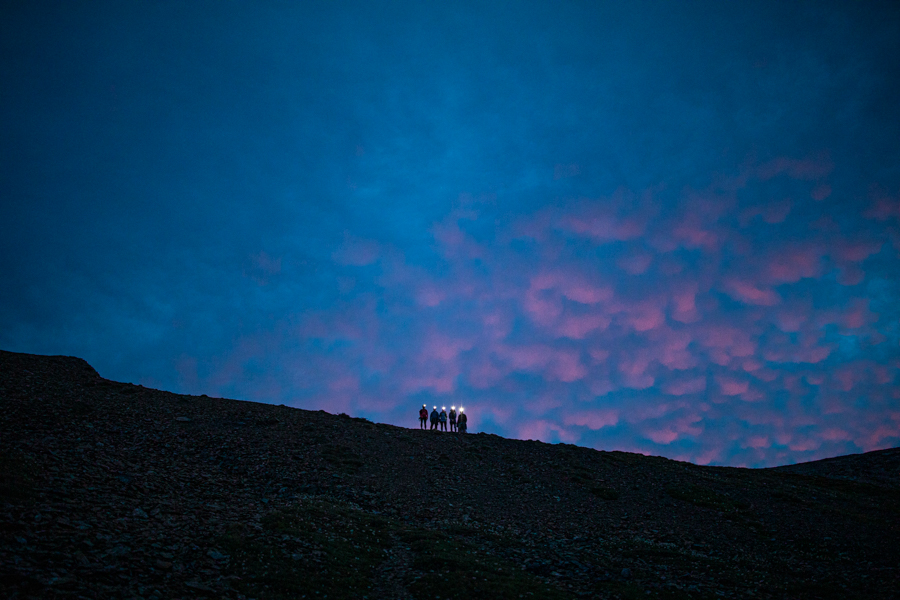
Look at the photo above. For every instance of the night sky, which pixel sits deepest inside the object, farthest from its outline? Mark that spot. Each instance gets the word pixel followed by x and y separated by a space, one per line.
pixel 668 228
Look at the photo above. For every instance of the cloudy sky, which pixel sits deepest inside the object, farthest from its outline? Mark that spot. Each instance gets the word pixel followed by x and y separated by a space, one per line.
pixel 669 228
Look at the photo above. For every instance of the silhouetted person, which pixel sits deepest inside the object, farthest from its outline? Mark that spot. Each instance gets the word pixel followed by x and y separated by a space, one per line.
pixel 423 416
pixel 434 419
pixel 452 417
pixel 463 421
pixel 442 418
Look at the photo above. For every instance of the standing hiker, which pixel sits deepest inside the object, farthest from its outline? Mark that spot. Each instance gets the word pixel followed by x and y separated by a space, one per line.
pixel 463 420
pixel 442 418
pixel 423 416
pixel 452 417
pixel 434 419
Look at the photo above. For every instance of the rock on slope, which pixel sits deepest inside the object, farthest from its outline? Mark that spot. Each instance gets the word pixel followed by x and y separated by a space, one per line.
pixel 110 490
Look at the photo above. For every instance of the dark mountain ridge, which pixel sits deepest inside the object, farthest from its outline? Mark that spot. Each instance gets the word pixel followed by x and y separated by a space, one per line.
pixel 111 490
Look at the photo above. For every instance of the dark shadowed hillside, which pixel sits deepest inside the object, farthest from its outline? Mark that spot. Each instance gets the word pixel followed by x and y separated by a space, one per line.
pixel 109 490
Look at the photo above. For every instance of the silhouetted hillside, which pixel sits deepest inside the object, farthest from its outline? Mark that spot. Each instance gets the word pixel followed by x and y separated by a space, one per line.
pixel 110 490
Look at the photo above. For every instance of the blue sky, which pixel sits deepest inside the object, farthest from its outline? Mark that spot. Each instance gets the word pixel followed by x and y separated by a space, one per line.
pixel 671 229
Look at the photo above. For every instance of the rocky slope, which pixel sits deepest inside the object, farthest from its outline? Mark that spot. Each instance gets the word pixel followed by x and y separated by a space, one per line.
pixel 110 490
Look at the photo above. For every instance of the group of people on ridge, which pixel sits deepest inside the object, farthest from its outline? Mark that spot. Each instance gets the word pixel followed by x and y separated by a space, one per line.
pixel 458 422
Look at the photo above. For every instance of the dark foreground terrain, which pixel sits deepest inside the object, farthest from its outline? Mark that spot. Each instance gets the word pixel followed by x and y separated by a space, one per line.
pixel 110 490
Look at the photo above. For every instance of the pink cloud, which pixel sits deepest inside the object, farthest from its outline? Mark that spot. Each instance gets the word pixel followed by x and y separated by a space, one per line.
pixel 497 324
pixel 593 419
pixel 440 347
pixel 598 355
pixel 814 378
pixel 776 212
pixel 876 438
pixel 566 366
pixel 671 348
pixel 662 436
pixel 601 387
pixel 771 213
pixel 856 251
pixel 681 387
pixel 484 374
pixel 749 293
pixel 586 293
pixel 543 307
pixel 635 263
pixel 850 274
pixel 578 327
pixel 692 232
pixel 732 340
pixel 757 441
pixel 785 351
pixel 858 315
pixel 634 371
pixel 731 386
pixel 543 430
pixel 804 444
pixel 835 435
pixel 556 364
pixel 751 365
pixel 752 395
pixel 711 452
pixel 453 241
pixel 820 192
pixel 684 303
pixel 884 208
pixel 526 358
pixel 644 316
pixel 790 265
pixel 430 295
pixel 791 320
pixel 767 375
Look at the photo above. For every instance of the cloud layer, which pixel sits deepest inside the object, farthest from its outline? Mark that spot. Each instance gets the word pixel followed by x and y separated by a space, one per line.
pixel 720 325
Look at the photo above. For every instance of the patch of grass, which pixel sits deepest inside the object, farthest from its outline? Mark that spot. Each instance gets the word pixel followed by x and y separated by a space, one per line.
pixel 604 492
pixel 342 458
pixel 707 498
pixel 319 549
pixel 856 489
pixel 18 474
pixel 787 497
pixel 461 530
pixel 81 408
pixel 452 569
